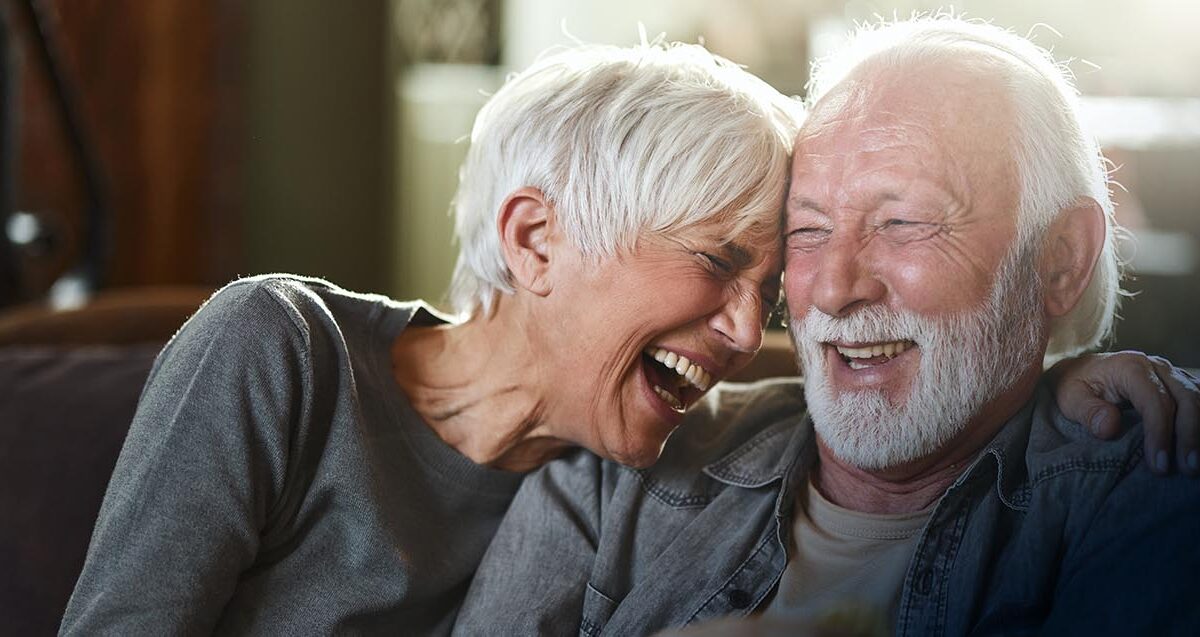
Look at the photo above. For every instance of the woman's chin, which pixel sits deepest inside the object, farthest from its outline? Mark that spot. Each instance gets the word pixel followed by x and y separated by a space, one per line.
pixel 638 455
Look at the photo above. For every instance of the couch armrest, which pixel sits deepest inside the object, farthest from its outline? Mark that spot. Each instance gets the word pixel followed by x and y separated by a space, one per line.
pixel 113 317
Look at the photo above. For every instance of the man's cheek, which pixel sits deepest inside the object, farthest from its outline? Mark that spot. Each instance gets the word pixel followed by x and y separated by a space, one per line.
pixel 797 287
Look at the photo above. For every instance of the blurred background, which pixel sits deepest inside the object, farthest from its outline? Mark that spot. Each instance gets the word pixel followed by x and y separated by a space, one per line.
pixel 186 142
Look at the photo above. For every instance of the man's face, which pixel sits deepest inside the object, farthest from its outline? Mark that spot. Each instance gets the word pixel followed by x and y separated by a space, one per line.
pixel 901 216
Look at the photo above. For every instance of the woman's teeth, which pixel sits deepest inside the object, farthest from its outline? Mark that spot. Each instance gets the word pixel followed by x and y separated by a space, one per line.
pixel 668 398
pixel 890 350
pixel 691 372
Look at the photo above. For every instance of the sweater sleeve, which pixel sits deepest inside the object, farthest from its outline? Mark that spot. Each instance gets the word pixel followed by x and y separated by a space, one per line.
pixel 203 462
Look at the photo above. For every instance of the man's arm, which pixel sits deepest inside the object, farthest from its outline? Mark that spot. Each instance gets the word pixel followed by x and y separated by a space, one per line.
pixel 1135 570
pixel 534 576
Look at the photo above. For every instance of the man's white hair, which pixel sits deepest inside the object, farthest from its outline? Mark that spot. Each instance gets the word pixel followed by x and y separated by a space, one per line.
pixel 622 141
pixel 1057 162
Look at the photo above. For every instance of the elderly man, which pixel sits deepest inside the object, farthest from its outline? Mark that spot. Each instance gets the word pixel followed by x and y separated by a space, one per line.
pixel 948 228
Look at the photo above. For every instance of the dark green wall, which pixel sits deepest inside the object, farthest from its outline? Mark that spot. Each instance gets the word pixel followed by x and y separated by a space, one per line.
pixel 315 140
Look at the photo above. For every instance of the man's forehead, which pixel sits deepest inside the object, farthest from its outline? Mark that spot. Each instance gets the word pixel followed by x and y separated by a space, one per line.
pixel 867 147
pixel 930 97
pixel 874 132
pixel 867 123
pixel 944 132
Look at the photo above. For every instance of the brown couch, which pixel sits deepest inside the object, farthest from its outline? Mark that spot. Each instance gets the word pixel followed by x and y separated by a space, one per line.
pixel 69 383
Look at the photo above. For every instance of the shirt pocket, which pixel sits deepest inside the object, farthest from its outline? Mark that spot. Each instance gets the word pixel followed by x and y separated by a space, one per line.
pixel 597 610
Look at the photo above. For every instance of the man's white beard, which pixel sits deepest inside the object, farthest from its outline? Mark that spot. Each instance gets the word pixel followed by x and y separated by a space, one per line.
pixel 966 360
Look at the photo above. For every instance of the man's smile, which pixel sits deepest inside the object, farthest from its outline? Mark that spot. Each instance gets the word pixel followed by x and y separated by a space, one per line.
pixel 865 355
pixel 856 365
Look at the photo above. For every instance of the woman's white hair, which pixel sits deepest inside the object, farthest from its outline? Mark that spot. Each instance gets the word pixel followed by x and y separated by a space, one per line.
pixel 1057 162
pixel 622 141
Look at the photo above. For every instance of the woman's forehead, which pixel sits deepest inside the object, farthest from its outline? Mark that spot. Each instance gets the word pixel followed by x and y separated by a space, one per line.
pixel 745 232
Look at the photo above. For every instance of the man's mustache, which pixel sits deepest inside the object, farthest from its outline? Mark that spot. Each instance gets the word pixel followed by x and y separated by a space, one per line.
pixel 871 324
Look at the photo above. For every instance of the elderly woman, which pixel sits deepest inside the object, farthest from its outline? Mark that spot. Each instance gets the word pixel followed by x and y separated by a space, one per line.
pixel 310 460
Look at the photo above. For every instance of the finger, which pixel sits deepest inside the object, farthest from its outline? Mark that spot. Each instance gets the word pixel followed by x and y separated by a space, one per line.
pixel 1186 393
pixel 1152 399
pixel 1087 405
pixel 1105 420
pixel 1115 377
pixel 1137 381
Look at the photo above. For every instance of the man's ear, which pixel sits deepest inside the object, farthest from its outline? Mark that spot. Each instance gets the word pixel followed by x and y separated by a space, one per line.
pixel 527 228
pixel 1072 246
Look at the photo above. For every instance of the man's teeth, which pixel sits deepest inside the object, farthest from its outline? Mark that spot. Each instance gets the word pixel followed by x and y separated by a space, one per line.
pixel 693 373
pixel 669 398
pixel 890 350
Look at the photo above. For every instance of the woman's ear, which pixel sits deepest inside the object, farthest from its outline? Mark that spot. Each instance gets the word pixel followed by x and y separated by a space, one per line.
pixel 527 228
pixel 1073 244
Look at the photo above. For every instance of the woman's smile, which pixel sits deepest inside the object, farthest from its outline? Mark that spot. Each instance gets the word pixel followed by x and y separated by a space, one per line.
pixel 675 378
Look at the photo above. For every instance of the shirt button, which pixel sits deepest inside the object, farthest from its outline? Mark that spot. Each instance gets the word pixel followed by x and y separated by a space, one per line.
pixel 739 598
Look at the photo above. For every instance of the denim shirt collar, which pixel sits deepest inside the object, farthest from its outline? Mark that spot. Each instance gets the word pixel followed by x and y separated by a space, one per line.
pixel 787 450
pixel 772 454
pixel 1003 459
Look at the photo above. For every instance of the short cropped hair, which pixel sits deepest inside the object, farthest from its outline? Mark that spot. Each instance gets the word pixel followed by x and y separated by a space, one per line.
pixel 622 142
pixel 1057 162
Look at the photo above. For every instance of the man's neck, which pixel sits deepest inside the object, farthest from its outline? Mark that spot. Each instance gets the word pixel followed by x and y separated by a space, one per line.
pixel 915 485
pixel 894 490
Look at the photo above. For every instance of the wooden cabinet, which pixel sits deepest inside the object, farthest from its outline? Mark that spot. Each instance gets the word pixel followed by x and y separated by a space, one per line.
pixel 155 85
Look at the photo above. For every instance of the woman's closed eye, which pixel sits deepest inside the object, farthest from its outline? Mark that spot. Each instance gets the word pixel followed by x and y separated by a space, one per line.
pixel 721 266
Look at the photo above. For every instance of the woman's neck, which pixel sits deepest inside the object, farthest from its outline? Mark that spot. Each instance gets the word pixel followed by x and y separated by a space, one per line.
pixel 475 384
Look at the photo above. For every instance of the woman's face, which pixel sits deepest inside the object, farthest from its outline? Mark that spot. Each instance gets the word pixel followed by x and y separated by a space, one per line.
pixel 644 334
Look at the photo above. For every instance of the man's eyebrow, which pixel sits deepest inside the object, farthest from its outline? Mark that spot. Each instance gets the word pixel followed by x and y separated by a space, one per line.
pixel 805 203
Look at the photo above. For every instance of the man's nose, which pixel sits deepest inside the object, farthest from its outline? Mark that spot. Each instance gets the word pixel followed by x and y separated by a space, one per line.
pixel 740 321
pixel 845 280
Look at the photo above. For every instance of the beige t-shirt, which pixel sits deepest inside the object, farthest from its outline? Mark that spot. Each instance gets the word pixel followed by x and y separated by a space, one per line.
pixel 845 568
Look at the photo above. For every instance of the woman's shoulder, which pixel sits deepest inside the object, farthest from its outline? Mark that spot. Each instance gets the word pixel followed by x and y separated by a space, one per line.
pixel 271 295
pixel 265 321
pixel 261 295
pixel 278 303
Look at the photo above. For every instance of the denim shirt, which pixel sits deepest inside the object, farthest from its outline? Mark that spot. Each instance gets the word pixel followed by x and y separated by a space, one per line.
pixel 1048 531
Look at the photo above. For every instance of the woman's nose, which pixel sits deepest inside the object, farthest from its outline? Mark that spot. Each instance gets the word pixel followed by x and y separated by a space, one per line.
pixel 740 321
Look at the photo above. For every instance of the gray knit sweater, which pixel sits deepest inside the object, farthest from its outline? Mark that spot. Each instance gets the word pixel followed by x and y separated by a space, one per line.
pixel 276 481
